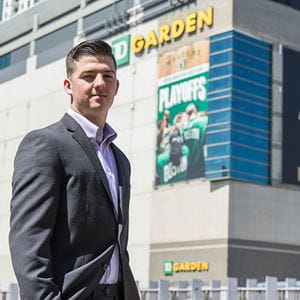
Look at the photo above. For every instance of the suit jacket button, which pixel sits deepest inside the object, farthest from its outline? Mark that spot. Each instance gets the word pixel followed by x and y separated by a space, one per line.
pixel 105 267
pixel 107 291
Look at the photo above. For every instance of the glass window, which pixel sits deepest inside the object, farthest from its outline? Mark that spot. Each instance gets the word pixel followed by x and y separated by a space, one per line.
pixel 251 39
pixel 220 84
pixel 5 61
pixel 217 175
pixel 221 45
pixel 220 58
pixel 217 94
pixel 217 151
pixel 249 177
pixel 251 49
pixel 252 121
pixel 254 98
pixel 251 75
pixel 220 71
pixel 251 154
pixel 20 54
pixel 249 167
pixel 218 137
pixel 54 39
pixel 214 127
pixel 250 140
pixel 217 164
pixel 219 117
pixel 251 130
pixel 250 107
pixel 219 104
pixel 221 35
pixel 243 59
pixel 250 87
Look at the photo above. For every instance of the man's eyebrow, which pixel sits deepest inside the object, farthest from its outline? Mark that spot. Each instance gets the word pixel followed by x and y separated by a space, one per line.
pixel 96 71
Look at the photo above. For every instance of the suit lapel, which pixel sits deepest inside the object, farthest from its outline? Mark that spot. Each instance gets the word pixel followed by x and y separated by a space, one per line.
pixel 123 181
pixel 86 145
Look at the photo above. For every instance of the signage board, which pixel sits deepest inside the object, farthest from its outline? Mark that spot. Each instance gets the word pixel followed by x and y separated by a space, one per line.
pixel 182 113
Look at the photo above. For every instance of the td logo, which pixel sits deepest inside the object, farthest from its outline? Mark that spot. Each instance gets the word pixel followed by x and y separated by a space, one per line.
pixel 168 267
pixel 121 50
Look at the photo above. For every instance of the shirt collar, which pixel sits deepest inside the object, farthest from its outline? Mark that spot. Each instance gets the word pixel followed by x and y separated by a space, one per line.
pixel 93 132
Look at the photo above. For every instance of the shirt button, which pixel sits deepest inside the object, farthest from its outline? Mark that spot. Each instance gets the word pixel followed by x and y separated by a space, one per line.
pixel 105 267
pixel 107 291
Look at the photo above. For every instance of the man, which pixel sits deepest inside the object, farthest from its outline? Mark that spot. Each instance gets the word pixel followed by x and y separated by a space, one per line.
pixel 69 208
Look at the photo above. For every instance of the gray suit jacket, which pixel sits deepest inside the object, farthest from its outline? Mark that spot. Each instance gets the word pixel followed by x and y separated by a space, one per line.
pixel 63 227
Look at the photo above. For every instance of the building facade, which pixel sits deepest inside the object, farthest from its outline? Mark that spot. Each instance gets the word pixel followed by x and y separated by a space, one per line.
pixel 207 113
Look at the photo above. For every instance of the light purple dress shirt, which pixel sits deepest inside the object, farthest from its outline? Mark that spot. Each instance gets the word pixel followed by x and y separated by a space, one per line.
pixel 101 140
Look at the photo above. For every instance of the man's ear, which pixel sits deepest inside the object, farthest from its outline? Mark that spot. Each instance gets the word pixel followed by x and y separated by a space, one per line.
pixel 117 87
pixel 67 86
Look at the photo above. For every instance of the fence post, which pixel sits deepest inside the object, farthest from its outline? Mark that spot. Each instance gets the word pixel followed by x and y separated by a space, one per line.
pixel 153 295
pixel 182 285
pixel 13 292
pixel 251 295
pixel 290 282
pixel 163 293
pixel 196 289
pixel 271 288
pixel 232 289
pixel 215 295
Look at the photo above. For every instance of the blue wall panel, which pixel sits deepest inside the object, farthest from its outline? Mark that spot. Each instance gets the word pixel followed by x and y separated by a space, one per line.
pixel 238 133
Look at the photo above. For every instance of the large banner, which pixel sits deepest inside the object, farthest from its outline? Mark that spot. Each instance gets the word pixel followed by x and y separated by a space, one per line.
pixel 182 113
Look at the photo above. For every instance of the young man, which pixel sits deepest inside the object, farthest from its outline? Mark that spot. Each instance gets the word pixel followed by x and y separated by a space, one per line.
pixel 69 208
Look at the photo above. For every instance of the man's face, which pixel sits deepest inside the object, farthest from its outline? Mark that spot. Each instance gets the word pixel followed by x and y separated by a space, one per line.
pixel 92 86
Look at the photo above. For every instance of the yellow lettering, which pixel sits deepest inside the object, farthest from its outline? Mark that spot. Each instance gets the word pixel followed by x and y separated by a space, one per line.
pixel 205 18
pixel 181 267
pixel 205 266
pixel 138 44
pixel 193 266
pixel 151 40
pixel 198 266
pixel 187 266
pixel 177 29
pixel 176 267
pixel 164 31
pixel 191 23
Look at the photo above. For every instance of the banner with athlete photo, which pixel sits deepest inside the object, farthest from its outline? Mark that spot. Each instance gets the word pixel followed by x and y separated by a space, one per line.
pixel 182 113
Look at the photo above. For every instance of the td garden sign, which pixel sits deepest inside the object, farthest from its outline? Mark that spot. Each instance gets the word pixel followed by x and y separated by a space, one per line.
pixel 170 267
pixel 166 33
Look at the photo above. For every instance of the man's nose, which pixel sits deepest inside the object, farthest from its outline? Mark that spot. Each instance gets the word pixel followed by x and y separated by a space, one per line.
pixel 99 81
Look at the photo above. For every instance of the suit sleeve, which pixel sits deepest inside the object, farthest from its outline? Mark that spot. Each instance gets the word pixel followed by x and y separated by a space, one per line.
pixel 35 198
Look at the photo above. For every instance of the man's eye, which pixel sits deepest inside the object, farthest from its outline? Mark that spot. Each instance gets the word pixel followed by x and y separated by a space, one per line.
pixel 88 77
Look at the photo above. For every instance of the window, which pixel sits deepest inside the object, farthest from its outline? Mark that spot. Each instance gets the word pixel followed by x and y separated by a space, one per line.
pixel 239 108
pixel 5 61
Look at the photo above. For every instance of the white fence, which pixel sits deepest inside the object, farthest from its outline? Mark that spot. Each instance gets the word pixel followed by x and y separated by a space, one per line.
pixel 196 290
pixel 182 290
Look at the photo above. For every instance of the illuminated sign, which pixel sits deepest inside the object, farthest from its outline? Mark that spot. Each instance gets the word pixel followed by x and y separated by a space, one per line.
pixel 170 267
pixel 175 30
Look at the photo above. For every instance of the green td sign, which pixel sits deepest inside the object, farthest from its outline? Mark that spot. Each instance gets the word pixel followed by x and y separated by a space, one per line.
pixel 168 267
pixel 121 50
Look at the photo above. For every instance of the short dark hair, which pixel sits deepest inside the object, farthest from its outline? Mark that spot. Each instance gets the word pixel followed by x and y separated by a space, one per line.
pixel 94 47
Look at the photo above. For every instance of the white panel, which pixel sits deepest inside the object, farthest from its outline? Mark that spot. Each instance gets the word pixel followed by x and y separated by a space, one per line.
pixel 17 121
pixel 189 211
